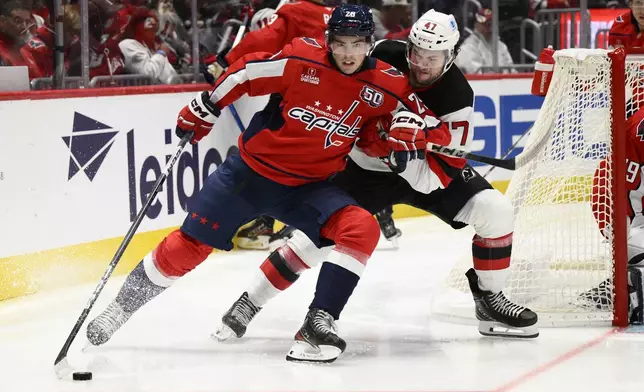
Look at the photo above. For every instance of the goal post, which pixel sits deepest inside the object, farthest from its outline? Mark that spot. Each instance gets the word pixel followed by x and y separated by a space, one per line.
pixel 559 252
pixel 618 186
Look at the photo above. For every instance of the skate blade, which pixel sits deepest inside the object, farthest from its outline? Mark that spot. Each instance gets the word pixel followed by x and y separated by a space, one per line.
pixel 223 334
pixel 304 352
pixel 495 329
pixel 63 368
pixel 259 243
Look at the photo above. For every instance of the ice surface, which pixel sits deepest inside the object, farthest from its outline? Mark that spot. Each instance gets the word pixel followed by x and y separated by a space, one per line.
pixel 393 342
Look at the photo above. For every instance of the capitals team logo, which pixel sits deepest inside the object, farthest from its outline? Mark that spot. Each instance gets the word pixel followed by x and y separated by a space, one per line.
pixel 310 76
pixel 88 145
pixel 372 97
pixel 335 126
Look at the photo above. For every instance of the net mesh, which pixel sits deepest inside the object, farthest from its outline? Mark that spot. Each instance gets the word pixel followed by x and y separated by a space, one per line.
pixel 558 253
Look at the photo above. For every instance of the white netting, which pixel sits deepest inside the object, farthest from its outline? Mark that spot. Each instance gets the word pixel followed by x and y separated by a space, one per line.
pixel 558 250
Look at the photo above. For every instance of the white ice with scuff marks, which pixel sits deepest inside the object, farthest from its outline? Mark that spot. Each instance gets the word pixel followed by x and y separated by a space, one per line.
pixel 393 342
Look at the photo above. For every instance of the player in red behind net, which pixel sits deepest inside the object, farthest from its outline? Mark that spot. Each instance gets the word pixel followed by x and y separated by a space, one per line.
pixel 464 198
pixel 286 156
pixel 601 296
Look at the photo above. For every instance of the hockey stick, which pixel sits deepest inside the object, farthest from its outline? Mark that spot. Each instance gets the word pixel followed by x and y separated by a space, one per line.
pixel 517 162
pixel 509 151
pixel 509 164
pixel 61 365
pixel 238 37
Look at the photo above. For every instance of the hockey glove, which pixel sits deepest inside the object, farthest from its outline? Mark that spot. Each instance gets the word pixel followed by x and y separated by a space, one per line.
pixel 199 117
pixel 212 70
pixel 407 140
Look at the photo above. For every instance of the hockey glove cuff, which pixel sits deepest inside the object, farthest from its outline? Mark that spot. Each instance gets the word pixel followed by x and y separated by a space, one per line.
pixel 407 139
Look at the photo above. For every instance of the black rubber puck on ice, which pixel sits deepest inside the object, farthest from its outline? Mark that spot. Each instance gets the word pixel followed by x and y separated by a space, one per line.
pixel 82 376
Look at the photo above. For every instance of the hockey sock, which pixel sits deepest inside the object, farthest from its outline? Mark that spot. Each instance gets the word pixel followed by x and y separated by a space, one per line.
pixel 277 273
pixel 356 235
pixel 492 261
pixel 335 286
pixel 137 290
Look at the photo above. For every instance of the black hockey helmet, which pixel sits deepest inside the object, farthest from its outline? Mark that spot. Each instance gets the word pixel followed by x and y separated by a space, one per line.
pixel 351 20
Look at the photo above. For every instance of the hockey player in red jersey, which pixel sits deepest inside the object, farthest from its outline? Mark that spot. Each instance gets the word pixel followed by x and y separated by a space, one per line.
pixel 306 18
pixel 286 155
pixel 627 28
pixel 601 296
pixel 464 197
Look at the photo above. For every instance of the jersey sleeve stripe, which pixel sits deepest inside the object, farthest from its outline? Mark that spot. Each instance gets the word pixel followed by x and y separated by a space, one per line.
pixel 252 70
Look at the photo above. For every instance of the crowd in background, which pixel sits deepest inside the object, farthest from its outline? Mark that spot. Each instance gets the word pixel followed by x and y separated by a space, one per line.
pixel 154 37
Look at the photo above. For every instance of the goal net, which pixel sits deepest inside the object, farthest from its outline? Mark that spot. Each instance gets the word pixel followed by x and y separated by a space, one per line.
pixel 558 250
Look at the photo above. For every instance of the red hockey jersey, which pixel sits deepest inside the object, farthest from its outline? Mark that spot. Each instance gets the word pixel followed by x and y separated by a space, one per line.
pixel 634 164
pixel 315 113
pixel 625 32
pixel 299 19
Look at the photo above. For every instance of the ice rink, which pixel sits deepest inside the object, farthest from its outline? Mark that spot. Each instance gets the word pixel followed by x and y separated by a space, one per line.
pixel 393 342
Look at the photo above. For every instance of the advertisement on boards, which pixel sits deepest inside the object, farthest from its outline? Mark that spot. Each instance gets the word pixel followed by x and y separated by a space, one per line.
pixel 81 168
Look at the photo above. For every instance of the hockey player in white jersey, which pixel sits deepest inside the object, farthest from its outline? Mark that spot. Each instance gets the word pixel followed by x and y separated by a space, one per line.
pixel 427 58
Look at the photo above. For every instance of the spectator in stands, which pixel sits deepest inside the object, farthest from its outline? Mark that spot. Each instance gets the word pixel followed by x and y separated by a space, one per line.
pixel 476 50
pixel 15 22
pixel 146 54
pixel 375 6
pixel 173 34
pixel 396 17
pixel 626 30
pixel 39 46
pixel 536 5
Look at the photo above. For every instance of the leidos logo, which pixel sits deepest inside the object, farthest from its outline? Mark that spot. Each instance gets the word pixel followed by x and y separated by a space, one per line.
pixel 88 145
pixel 92 140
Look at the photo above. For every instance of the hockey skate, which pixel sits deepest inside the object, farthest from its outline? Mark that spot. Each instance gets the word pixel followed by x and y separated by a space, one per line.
pixel 279 239
pixel 600 297
pixel 257 235
pixel 236 319
pixel 388 227
pixel 498 316
pixel 317 341
pixel 101 329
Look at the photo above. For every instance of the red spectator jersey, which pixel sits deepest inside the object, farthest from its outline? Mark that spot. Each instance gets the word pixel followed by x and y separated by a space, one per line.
pixel 39 51
pixel 308 128
pixel 10 56
pixel 400 35
pixel 625 32
pixel 299 19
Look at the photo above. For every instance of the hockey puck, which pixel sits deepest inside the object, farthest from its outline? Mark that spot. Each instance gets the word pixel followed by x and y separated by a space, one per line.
pixel 82 376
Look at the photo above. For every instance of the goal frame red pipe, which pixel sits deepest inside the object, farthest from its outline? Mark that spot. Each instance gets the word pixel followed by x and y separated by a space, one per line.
pixel 618 187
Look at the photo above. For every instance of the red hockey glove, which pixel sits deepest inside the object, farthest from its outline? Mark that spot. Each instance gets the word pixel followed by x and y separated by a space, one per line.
pixel 199 117
pixel 407 139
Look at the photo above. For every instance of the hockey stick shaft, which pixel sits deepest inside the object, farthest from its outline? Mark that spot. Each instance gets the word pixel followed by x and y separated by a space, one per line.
pixel 126 241
pixel 238 37
pixel 509 151
pixel 509 164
